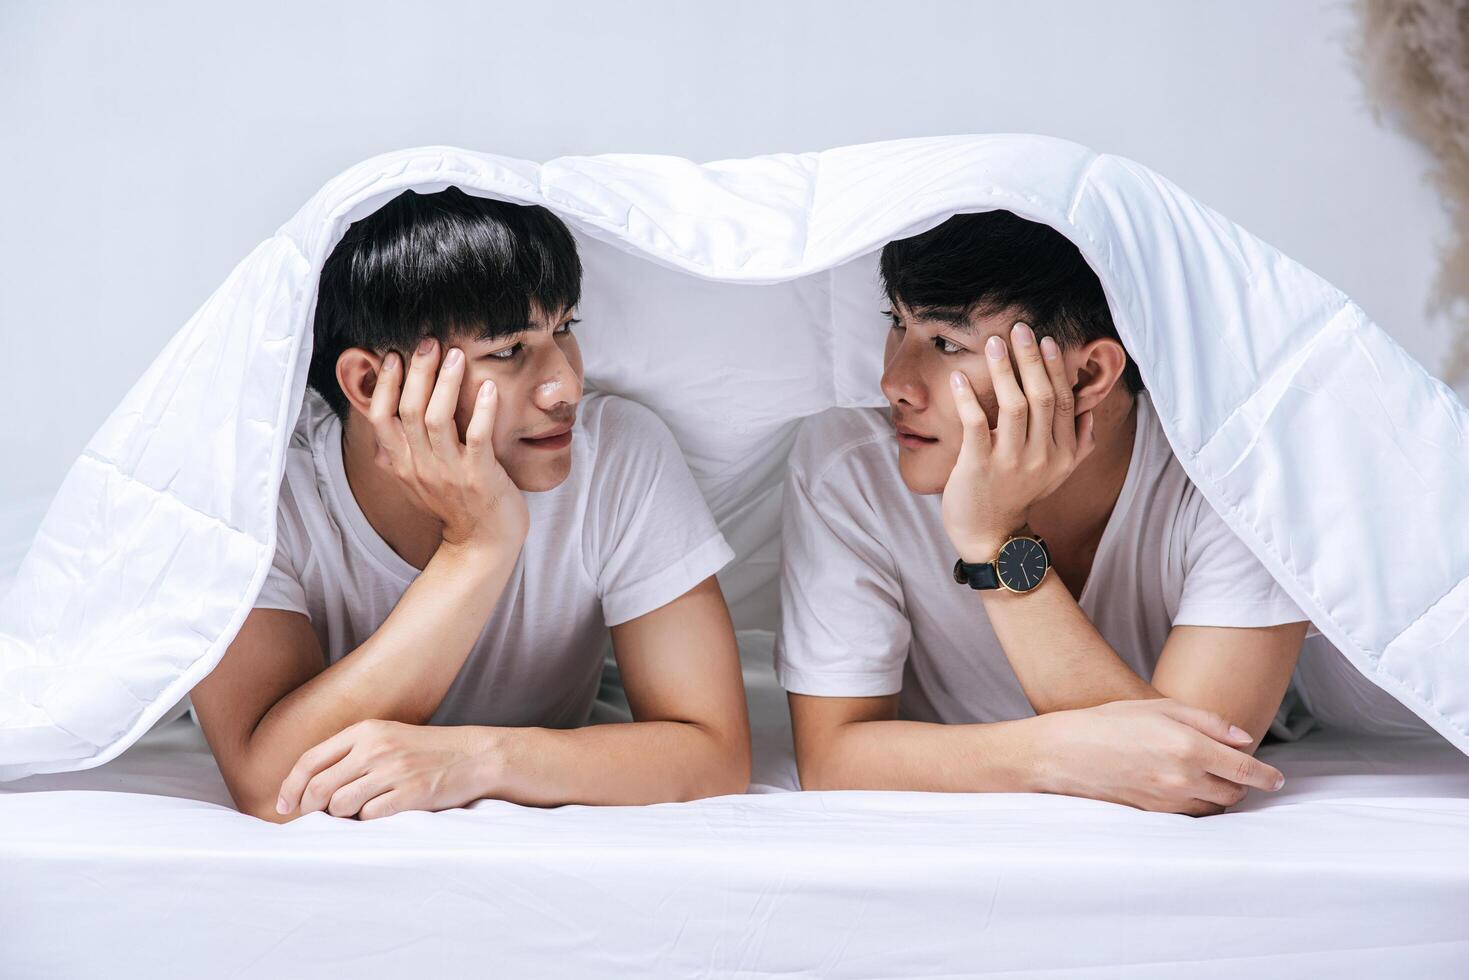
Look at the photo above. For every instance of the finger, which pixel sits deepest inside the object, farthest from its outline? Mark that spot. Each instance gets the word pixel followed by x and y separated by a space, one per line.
pixel 1040 391
pixel 478 434
pixel 422 372
pixel 1014 410
pixel 384 805
pixel 349 797
pixel 1239 767
pixel 312 761
pixel 1063 422
pixel 382 412
pixel 439 417
pixel 1207 722
pixel 1212 789
pixel 976 445
pixel 1202 808
pixel 324 785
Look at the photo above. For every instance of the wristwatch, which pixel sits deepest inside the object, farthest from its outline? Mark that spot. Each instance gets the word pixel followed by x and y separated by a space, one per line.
pixel 1019 566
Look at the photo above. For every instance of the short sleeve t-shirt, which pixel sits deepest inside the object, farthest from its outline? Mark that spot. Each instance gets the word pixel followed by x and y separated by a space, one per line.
pixel 870 607
pixel 626 532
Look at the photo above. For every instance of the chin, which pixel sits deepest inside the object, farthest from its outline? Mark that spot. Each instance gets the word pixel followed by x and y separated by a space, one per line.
pixel 922 476
pixel 542 475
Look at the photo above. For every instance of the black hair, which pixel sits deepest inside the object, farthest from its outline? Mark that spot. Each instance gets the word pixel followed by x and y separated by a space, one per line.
pixel 438 265
pixel 995 261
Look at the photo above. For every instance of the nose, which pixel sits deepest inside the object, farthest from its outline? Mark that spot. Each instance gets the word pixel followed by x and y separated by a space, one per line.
pixel 902 381
pixel 560 381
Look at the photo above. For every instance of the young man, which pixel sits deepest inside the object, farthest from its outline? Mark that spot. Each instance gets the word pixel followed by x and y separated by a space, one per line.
pixel 457 529
pixel 1135 653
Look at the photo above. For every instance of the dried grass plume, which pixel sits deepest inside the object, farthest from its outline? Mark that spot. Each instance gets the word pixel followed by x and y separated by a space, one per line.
pixel 1414 59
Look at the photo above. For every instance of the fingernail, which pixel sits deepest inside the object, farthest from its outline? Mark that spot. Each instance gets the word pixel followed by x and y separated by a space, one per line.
pixel 1049 350
pixel 1280 782
pixel 425 345
pixel 485 389
pixel 956 379
pixel 1239 734
pixel 390 363
pixel 995 347
pixel 1023 335
pixel 280 806
pixel 453 359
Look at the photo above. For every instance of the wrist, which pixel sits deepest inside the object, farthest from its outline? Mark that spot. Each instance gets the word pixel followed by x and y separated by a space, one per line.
pixel 1040 770
pixel 491 761
pixel 986 547
pixel 480 552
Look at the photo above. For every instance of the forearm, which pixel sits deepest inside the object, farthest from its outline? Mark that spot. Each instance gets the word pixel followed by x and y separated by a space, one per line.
pixel 998 757
pixel 630 763
pixel 1060 659
pixel 400 673
pixel 1240 673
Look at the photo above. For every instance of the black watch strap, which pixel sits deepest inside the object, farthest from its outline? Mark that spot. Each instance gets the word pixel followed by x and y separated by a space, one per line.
pixel 980 575
pixel 984 575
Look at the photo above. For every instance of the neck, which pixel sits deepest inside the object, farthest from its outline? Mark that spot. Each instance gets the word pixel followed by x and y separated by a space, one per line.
pixel 413 534
pixel 1073 517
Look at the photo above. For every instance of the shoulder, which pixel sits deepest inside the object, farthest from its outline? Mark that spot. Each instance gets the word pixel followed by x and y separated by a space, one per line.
pixel 620 433
pixel 842 439
pixel 601 414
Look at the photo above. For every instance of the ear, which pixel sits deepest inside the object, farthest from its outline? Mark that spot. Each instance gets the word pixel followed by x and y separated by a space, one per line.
pixel 1097 368
pixel 357 370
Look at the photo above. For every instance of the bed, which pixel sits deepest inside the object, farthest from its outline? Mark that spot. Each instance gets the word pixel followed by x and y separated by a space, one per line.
pixel 120 853
pixel 141 867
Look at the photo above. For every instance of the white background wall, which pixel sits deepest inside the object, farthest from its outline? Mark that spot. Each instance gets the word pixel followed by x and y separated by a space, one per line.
pixel 146 147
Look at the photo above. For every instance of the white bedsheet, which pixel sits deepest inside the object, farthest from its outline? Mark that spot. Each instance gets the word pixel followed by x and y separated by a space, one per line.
pixel 1358 867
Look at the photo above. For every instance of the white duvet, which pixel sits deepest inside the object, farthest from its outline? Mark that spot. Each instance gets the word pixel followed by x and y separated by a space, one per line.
pixel 735 298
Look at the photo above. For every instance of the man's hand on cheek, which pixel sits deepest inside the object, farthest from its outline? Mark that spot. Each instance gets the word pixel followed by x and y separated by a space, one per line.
pixel 378 768
pixel 1036 444
pixel 459 482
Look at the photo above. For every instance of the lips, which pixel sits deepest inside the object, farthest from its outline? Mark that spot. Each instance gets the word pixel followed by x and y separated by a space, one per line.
pixel 554 439
pixel 910 438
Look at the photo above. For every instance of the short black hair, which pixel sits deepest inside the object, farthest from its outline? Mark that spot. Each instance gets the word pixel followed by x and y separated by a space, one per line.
pixel 438 265
pixel 994 261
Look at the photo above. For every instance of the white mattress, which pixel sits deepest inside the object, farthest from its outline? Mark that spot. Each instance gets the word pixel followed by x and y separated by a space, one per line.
pixel 140 867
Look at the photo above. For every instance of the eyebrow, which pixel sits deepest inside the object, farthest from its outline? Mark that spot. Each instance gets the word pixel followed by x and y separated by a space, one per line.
pixel 531 328
pixel 958 319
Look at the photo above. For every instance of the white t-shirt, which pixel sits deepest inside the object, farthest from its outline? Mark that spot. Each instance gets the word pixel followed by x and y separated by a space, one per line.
pixel 870 606
pixel 627 532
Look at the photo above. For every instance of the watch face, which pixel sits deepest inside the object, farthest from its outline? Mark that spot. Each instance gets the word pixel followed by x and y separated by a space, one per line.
pixel 1021 564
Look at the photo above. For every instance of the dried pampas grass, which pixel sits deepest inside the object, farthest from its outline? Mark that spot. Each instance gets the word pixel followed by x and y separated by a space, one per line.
pixel 1414 58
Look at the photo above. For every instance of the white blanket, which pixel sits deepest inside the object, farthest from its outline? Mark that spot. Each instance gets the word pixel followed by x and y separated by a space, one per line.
pixel 1337 459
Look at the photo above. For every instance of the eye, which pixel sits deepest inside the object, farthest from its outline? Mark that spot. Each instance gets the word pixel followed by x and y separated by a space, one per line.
pixel 893 319
pixel 566 327
pixel 509 353
pixel 947 346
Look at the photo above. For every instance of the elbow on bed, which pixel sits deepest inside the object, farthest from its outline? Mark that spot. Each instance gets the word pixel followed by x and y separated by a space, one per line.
pixel 726 771
pixel 814 772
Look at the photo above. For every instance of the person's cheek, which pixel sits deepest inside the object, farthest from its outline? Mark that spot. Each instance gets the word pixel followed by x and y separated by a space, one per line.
pixel 469 392
pixel 984 393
